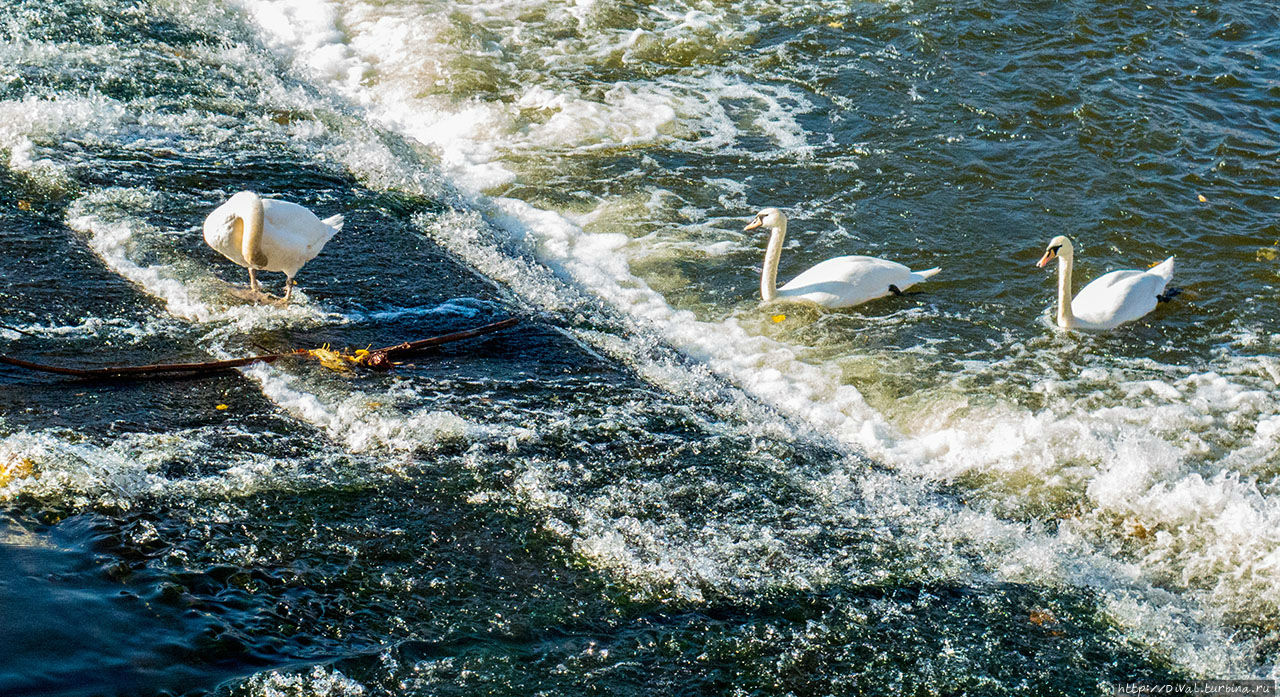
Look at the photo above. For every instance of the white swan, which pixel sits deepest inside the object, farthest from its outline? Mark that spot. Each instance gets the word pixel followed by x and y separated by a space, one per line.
pixel 834 283
pixel 268 235
pixel 1111 299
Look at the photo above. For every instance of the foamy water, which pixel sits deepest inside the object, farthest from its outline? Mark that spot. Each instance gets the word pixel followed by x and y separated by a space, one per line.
pixel 1161 472
pixel 964 451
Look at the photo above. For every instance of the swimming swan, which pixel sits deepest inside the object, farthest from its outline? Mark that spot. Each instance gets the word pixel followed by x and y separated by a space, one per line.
pixel 268 235
pixel 1111 299
pixel 834 283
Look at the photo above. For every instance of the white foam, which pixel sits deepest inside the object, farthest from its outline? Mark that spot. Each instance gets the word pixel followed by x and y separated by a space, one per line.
pixel 29 127
pixel 320 681
pixel 1110 456
pixel 65 467
pixel 115 328
pixel 361 421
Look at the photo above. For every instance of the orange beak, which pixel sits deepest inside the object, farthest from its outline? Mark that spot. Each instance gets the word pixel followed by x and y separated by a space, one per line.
pixel 1048 257
pixel 753 224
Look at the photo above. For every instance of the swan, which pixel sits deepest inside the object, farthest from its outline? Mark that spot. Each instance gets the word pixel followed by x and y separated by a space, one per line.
pixel 263 234
pixel 1111 299
pixel 834 283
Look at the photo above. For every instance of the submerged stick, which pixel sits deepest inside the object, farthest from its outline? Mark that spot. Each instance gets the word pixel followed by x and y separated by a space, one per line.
pixel 121 371
pixel 423 344
pixel 379 358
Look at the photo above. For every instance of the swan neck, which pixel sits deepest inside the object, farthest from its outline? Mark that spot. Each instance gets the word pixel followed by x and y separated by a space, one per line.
pixel 1066 319
pixel 769 275
pixel 251 245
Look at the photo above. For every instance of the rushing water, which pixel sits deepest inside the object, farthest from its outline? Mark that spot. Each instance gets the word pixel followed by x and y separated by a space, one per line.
pixel 653 484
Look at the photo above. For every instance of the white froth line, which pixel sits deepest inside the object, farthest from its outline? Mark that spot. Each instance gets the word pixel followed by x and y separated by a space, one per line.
pixel 802 390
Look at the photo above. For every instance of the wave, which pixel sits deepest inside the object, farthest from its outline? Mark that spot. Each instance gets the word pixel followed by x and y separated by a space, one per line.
pixel 1115 495
pixel 1069 457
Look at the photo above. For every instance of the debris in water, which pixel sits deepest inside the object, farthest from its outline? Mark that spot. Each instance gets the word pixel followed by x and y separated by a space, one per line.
pixel 377 359
pixel 16 468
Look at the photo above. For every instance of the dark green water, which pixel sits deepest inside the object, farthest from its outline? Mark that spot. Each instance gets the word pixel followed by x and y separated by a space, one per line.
pixel 652 484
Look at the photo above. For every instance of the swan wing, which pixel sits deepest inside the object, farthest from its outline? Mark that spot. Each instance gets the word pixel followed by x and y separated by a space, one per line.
pixel 1117 297
pixel 292 235
pixel 848 281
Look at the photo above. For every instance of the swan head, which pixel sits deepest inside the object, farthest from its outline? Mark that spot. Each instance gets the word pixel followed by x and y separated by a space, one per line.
pixel 1059 246
pixel 771 218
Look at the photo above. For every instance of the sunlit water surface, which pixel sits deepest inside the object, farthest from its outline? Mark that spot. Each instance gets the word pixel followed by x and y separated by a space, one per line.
pixel 652 485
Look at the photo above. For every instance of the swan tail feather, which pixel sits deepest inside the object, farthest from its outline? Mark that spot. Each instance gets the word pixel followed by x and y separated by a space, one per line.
pixel 927 272
pixel 334 222
pixel 1164 269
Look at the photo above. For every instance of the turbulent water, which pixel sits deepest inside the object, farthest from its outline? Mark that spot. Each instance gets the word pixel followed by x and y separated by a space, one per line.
pixel 653 484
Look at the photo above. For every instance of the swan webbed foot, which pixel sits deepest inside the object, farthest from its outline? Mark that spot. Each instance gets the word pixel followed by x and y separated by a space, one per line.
pixel 1168 294
pixel 894 289
pixel 258 297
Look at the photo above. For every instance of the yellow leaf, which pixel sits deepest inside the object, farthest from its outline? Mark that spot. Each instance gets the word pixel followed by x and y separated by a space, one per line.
pixel 778 318
pixel 221 407
pixel 16 468
pixel 330 359
pixel 24 205
pixel 1202 198
pixel 836 25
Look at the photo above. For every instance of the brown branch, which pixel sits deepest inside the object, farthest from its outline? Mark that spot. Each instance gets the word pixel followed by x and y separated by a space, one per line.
pixel 148 370
pixel 207 367
pixel 409 347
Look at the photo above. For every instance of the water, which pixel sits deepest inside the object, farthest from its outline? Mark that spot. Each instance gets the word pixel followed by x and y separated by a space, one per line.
pixel 651 484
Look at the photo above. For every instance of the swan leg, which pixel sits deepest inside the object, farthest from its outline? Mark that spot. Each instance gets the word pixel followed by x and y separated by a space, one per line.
pixel 255 292
pixel 894 289
pixel 288 289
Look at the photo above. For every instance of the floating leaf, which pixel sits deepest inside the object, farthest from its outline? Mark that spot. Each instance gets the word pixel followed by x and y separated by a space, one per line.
pixel 778 318
pixel 330 359
pixel 1202 198
pixel 221 407
pixel 16 468
pixel 1042 617
pixel 24 205
pixel 1268 253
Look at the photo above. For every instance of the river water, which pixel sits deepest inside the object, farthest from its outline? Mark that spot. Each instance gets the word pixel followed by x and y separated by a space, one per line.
pixel 653 484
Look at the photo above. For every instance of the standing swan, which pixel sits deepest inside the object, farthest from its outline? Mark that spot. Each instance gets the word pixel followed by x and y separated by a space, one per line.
pixel 268 235
pixel 1111 299
pixel 834 283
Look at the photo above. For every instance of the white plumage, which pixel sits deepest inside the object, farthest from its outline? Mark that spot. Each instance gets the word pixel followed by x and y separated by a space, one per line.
pixel 268 235
pixel 1109 300
pixel 834 283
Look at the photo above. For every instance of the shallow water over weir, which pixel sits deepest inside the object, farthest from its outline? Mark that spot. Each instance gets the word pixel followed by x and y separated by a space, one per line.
pixel 651 483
